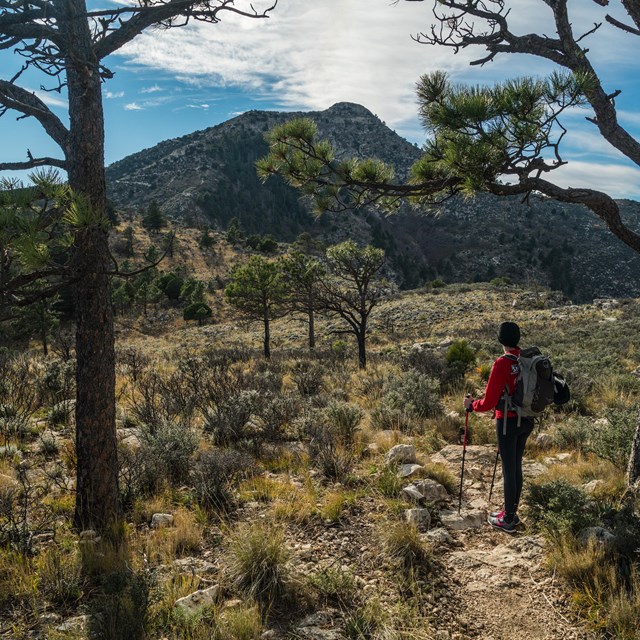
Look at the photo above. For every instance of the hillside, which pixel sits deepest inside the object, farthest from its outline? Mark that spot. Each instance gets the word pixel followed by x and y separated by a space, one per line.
pixel 277 499
pixel 208 178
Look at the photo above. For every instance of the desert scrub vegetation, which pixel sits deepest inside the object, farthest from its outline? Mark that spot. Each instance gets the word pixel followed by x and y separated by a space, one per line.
pixel 225 442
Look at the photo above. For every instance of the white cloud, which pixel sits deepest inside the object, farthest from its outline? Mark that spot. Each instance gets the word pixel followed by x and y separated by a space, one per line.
pixel 133 106
pixel 153 89
pixel 307 55
pixel 111 95
pixel 311 55
pixel 617 180
pixel 50 99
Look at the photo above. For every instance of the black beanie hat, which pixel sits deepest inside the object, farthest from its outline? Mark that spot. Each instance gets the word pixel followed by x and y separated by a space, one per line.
pixel 509 334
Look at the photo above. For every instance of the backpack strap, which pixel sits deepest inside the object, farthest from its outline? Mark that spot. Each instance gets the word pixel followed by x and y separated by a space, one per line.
pixel 507 396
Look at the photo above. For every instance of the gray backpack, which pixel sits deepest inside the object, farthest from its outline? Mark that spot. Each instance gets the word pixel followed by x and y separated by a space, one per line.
pixel 535 386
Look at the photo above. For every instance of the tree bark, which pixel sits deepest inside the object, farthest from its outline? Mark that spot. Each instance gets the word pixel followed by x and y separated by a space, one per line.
pixel 97 495
pixel 633 470
pixel 362 353
pixel 267 337
pixel 312 334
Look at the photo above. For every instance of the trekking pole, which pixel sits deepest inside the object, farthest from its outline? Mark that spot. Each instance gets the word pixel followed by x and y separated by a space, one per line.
pixel 493 477
pixel 464 452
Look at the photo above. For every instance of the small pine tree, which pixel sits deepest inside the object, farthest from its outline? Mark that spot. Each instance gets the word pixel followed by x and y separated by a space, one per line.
pixel 153 219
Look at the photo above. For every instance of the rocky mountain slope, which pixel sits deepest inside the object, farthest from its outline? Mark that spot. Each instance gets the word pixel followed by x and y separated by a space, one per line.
pixel 208 178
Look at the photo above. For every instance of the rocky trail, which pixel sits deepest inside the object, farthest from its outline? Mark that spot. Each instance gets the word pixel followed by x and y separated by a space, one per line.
pixel 489 585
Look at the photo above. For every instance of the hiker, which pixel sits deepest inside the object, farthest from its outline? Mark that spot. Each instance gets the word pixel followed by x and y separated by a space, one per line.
pixel 511 442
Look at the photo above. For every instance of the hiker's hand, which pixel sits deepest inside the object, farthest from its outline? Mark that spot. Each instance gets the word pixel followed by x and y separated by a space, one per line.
pixel 468 400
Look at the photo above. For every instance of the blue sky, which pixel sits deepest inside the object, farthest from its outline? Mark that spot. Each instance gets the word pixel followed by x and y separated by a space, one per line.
pixel 311 54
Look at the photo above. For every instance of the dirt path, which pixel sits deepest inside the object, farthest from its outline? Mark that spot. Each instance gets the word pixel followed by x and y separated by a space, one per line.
pixel 500 584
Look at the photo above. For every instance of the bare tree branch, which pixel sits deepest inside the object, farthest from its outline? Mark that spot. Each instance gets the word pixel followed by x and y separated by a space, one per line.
pixel 33 163
pixel 161 13
pixel 27 103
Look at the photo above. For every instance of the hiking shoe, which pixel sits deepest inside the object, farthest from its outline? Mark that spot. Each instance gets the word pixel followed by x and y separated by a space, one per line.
pixel 500 523
pixel 500 514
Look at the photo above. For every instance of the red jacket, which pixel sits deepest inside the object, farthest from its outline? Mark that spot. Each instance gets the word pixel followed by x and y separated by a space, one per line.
pixel 503 373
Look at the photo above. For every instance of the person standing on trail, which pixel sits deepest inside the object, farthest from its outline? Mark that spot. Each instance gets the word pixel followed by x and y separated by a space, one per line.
pixel 511 444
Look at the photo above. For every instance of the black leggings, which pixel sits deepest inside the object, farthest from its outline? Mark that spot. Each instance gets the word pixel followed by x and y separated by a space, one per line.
pixel 511 448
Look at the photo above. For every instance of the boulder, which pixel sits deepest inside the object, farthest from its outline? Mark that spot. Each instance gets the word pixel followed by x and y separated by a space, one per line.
pixel 159 520
pixel 464 520
pixel 431 490
pixel 438 536
pixel 401 454
pixel 421 518
pixel 198 599
pixel 406 470
pixel 413 494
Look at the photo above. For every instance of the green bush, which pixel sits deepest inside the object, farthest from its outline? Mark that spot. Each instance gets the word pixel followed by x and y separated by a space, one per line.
pixel 216 472
pixel 558 507
pixel 167 451
pixel 414 393
pixel 461 352
pixel 334 585
pixel 344 418
pixel 612 439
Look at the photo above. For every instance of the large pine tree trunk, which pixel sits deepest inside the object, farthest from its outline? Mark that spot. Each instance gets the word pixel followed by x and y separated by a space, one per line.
pixel 633 471
pixel 97 496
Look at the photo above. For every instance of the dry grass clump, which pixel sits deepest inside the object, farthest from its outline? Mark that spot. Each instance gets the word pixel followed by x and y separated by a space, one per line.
pixel 609 601
pixel 258 561
pixel 296 503
pixel 335 503
pixel 403 546
pixel 243 622
pixel 439 472
pixel 183 537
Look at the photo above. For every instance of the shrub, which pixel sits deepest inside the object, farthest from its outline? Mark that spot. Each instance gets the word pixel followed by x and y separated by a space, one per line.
pixel 308 378
pixel 558 507
pixel 415 393
pixel 258 561
pixel 385 418
pixel 119 610
pixel 166 453
pixel 612 438
pixel 461 352
pixel 216 472
pixel 60 577
pixel 327 450
pixel 426 361
pixel 334 585
pixel 276 413
pixel 573 433
pixel 227 421
pixel 344 418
